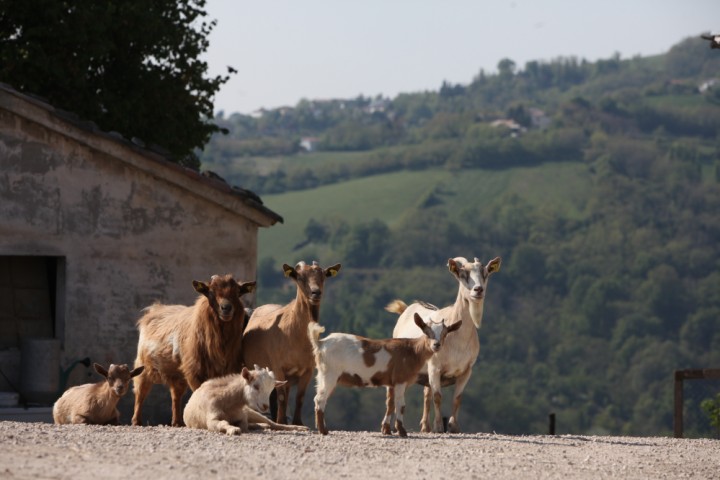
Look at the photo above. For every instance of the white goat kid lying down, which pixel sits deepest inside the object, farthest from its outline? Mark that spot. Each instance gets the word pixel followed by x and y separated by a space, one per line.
pixel 224 404
pixel 96 403
pixel 355 361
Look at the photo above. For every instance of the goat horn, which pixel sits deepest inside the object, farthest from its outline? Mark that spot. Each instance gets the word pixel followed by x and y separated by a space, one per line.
pixel 315 264
pixel 300 264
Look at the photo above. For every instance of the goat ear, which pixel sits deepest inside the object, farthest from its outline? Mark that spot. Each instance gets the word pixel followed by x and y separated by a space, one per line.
pixel 494 265
pixel 247 287
pixel 454 326
pixel 245 373
pixel 419 321
pixel 137 371
pixel 201 287
pixel 278 383
pixel 289 271
pixel 100 369
pixel 332 271
pixel 452 266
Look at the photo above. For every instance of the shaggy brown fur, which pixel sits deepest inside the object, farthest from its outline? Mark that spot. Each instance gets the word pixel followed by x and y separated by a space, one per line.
pixel 183 346
pixel 276 336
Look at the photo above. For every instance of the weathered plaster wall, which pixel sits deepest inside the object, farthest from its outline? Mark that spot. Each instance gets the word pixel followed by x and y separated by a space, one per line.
pixel 128 238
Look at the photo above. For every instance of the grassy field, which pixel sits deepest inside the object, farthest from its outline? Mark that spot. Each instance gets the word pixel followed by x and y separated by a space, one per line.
pixel 559 187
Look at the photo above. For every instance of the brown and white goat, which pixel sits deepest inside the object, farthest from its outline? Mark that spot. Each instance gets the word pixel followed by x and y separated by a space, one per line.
pixel 183 346
pixel 222 404
pixel 453 365
pixel 96 403
pixel 276 336
pixel 355 361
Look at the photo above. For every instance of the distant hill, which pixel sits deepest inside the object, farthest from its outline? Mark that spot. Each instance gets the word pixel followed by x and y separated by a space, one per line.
pixel 597 183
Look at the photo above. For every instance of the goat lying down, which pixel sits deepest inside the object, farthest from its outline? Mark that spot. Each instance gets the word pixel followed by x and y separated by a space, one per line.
pixel 96 403
pixel 224 404
pixel 355 361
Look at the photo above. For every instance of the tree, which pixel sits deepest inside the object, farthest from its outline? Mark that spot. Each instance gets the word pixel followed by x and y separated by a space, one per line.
pixel 131 66
pixel 506 69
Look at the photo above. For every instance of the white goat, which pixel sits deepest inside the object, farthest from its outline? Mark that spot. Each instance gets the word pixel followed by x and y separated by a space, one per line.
pixel 96 403
pixel 452 365
pixel 223 403
pixel 355 361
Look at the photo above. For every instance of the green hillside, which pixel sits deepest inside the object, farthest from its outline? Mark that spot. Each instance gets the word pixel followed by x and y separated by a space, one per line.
pixel 597 183
pixel 559 187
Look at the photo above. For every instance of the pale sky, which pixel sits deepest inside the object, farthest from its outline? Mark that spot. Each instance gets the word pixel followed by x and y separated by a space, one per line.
pixel 287 50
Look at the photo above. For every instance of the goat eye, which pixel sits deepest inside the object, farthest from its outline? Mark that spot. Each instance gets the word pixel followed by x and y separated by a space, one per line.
pixel 256 387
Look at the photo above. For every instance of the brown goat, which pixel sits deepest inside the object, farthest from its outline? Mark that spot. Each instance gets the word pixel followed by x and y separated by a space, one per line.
pixel 96 403
pixel 276 336
pixel 183 346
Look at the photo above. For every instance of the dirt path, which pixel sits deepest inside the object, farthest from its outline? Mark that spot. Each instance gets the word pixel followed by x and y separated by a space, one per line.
pixel 44 451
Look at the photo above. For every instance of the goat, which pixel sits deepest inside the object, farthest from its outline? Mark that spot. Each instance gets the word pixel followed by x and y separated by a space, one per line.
pixel 183 346
pixel 355 361
pixel 276 336
pixel 96 403
pixel 453 365
pixel 220 404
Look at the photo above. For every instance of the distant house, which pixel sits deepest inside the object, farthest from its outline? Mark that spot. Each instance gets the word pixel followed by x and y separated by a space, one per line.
pixel 377 105
pixel 707 85
pixel 259 113
pixel 514 127
pixel 93 228
pixel 309 144
pixel 539 119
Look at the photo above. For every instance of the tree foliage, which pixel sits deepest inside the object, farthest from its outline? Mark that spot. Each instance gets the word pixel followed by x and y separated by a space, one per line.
pixel 129 66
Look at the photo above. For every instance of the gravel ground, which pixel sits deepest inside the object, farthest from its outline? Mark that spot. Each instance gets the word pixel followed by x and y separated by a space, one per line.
pixel 44 451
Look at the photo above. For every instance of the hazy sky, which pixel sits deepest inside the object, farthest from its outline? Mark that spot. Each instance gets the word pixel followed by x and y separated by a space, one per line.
pixel 286 50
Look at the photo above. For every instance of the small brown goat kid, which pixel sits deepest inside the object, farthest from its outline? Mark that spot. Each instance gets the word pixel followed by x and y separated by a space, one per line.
pixel 183 346
pixel 355 361
pixel 277 338
pixel 96 403
pixel 220 404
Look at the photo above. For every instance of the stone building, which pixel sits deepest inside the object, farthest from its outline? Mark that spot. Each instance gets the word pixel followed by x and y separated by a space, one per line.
pixel 93 228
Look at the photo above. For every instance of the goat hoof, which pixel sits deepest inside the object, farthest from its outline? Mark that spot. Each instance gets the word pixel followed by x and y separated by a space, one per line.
pixel 385 429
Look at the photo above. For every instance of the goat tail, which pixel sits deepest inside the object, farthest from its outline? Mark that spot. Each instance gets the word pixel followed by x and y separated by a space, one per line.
pixel 396 306
pixel 314 331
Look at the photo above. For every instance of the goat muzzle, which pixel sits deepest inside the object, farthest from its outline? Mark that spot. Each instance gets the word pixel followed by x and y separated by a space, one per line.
pixel 226 312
